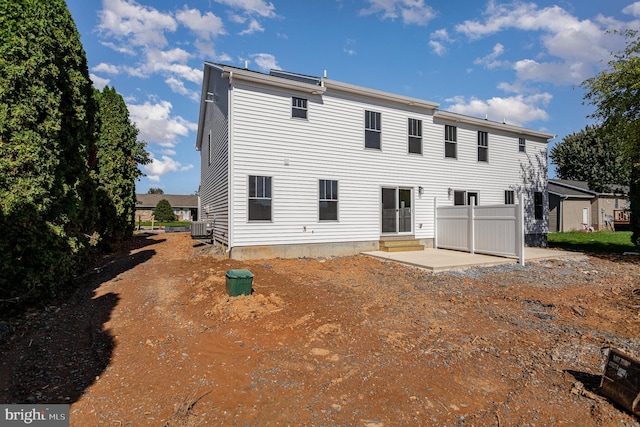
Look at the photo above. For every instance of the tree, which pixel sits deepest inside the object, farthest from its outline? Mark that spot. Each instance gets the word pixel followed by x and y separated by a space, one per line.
pixel 118 156
pixel 155 190
pixel 593 156
pixel 47 118
pixel 615 93
pixel 163 211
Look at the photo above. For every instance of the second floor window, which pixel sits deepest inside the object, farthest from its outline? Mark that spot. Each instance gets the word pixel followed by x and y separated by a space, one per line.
pixel 483 146
pixel 299 107
pixel 372 130
pixel 450 141
pixel 522 145
pixel 415 136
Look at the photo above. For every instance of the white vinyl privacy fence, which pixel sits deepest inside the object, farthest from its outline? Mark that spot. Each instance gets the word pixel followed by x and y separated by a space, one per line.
pixel 491 229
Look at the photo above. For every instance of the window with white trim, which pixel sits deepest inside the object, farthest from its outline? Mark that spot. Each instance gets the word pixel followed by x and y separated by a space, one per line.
pixel 299 107
pixel 450 141
pixel 483 146
pixel 464 198
pixel 372 129
pixel 259 198
pixel 509 197
pixel 522 145
pixel 328 200
pixel 415 136
pixel 538 205
pixel 209 148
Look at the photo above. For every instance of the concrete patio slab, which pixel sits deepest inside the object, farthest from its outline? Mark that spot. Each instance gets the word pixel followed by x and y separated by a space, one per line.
pixel 444 259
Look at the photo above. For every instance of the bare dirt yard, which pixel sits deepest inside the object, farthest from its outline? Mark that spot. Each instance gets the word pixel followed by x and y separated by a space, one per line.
pixel 150 338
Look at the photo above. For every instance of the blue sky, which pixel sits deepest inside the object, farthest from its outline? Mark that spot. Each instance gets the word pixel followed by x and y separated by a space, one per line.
pixel 517 61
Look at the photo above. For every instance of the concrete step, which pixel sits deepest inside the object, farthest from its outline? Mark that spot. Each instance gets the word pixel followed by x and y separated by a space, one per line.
pixel 400 245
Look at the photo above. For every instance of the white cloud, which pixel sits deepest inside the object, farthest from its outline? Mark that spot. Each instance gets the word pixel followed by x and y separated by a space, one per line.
pixel 254 27
pixel 265 61
pixel 105 68
pixel 253 7
pixel 206 26
pixel 99 82
pixel 412 12
pixel 491 60
pixel 349 47
pixel 633 9
pixel 437 42
pixel 516 110
pixel 140 25
pixel 158 167
pixel 156 125
pixel 178 86
pixel 577 46
pixel 438 47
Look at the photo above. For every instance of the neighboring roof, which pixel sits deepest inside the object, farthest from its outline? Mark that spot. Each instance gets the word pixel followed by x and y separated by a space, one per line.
pixel 571 188
pixel 175 200
pixel 317 86
pixel 569 191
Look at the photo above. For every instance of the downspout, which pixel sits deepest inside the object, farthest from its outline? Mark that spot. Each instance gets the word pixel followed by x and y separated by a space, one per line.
pixel 230 167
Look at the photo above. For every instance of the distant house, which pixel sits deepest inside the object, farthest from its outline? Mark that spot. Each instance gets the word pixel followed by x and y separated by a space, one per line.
pixel 295 165
pixel 574 206
pixel 184 207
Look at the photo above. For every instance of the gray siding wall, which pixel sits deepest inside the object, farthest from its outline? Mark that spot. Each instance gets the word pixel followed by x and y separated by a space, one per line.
pixel 214 158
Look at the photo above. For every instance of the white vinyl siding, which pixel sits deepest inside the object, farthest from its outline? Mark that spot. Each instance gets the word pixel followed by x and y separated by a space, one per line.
pixel 214 163
pixel 297 154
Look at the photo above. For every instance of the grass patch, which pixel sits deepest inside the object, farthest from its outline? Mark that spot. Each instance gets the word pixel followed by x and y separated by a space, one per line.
pixel 598 242
pixel 164 224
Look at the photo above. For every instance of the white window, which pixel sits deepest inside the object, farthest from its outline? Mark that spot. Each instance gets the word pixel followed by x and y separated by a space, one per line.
pixel 483 146
pixel 259 198
pixel 372 130
pixel 509 197
pixel 450 141
pixel 465 198
pixel 522 145
pixel 415 136
pixel 299 108
pixel 328 200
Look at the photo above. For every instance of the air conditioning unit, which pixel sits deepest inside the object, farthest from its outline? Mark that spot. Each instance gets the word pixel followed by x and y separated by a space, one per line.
pixel 201 230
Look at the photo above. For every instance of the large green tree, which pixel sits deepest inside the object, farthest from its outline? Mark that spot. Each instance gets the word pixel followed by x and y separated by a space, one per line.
pixel 47 208
pixel 594 156
pixel 615 93
pixel 118 155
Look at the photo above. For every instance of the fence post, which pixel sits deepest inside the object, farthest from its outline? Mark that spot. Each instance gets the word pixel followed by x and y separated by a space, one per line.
pixel 435 222
pixel 520 228
pixel 472 224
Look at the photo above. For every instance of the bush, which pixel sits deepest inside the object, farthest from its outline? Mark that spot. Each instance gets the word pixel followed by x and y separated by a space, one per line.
pixel 163 211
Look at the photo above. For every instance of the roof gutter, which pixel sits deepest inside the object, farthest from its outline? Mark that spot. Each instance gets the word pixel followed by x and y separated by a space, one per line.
pixel 459 118
pixel 378 94
pixel 266 79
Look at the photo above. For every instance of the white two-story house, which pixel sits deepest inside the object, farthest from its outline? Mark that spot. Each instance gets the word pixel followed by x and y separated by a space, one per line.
pixel 294 165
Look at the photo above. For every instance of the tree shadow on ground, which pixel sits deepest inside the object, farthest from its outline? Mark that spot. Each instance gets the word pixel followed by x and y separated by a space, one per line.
pixel 53 354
